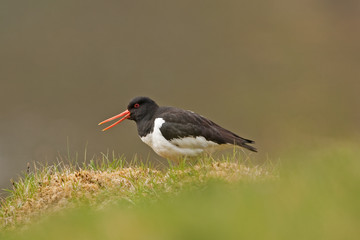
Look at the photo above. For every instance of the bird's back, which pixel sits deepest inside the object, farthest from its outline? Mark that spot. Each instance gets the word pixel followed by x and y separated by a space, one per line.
pixel 181 123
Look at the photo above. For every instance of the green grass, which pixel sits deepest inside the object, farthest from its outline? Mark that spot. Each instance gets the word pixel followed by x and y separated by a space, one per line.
pixel 317 196
pixel 52 188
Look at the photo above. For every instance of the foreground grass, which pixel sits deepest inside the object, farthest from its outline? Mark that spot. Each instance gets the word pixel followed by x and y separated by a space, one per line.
pixel 316 197
pixel 54 188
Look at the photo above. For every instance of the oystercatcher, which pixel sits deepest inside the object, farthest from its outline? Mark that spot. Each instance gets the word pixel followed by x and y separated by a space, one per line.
pixel 172 132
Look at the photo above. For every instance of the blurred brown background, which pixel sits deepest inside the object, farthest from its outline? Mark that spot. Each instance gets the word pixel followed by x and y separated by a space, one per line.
pixel 284 73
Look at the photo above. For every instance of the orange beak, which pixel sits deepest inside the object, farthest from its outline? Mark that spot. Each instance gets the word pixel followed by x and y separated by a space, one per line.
pixel 125 114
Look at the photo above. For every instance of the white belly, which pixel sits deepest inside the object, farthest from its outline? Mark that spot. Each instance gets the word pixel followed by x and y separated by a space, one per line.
pixel 188 146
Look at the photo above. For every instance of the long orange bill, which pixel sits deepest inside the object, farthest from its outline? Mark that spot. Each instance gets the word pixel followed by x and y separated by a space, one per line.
pixel 125 114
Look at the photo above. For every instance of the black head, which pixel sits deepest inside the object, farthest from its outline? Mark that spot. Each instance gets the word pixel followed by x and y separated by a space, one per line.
pixel 141 108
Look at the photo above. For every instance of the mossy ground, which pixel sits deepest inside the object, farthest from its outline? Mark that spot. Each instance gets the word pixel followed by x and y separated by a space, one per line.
pixel 315 196
pixel 49 189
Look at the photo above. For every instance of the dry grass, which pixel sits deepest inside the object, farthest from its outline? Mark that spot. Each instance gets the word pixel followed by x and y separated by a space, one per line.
pixel 50 189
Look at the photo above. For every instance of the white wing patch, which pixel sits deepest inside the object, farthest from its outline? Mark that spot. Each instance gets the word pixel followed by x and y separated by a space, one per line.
pixel 188 146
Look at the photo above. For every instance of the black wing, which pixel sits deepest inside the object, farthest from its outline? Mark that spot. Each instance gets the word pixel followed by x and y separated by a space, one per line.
pixel 181 123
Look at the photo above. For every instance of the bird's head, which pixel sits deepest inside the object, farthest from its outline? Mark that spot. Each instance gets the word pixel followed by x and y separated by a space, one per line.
pixel 138 109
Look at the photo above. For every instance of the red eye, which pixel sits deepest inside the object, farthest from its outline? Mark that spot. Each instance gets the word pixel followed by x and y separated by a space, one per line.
pixel 136 105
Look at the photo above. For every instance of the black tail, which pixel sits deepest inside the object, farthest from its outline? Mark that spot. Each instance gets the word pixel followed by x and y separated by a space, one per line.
pixel 242 142
pixel 230 137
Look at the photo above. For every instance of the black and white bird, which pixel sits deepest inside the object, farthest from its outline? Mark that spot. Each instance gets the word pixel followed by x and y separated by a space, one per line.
pixel 172 132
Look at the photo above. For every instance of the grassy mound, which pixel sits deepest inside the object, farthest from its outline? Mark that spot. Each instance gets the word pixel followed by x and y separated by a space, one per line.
pixel 316 197
pixel 53 188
